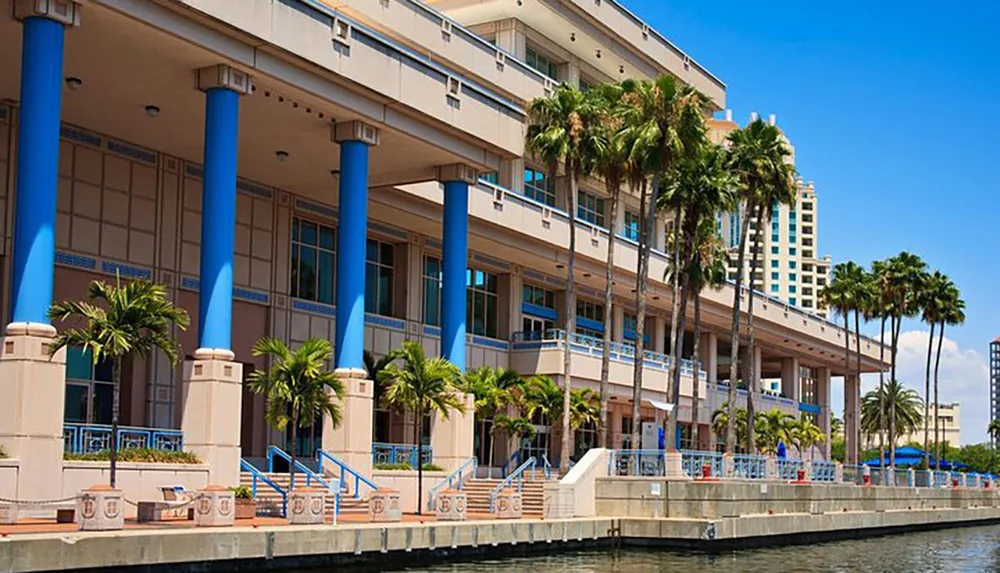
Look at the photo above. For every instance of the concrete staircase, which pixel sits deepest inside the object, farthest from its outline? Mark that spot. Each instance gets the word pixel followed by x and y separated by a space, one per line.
pixel 269 501
pixel 532 495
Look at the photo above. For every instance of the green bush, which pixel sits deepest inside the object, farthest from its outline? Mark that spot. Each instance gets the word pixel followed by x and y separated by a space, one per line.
pixel 408 468
pixel 242 492
pixel 137 455
pixel 3 453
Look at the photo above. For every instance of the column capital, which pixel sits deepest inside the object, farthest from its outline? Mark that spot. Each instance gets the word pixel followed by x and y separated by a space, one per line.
pixel 63 11
pixel 224 76
pixel 355 130
pixel 462 172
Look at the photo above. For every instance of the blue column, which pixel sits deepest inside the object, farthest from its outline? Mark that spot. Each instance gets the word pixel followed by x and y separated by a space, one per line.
pixel 352 236
pixel 218 219
pixel 454 268
pixel 37 169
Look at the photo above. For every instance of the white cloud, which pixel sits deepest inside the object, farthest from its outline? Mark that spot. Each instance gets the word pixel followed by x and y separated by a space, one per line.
pixel 963 378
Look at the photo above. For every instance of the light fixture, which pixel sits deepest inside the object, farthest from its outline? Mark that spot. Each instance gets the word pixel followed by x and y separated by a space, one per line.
pixel 560 266
pixel 572 36
pixel 621 69
pixel 598 54
pixel 586 275
pixel 281 156
pixel 152 111
pixel 335 172
pixel 73 83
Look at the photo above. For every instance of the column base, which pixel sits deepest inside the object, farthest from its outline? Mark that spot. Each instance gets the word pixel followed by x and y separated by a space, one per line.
pixel 352 441
pixel 674 467
pixel 452 439
pixel 212 409
pixel 32 403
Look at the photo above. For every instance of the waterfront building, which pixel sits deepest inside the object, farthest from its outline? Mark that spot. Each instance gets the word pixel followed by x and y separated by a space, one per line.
pixel 949 426
pixel 353 171
pixel 994 383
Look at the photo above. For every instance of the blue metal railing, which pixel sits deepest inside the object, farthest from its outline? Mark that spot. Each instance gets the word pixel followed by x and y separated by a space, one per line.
pixel 346 473
pixel 507 482
pixel 789 469
pixel 93 438
pixel 400 454
pixel 311 476
pixel 636 463
pixel 749 467
pixel 259 476
pixel 546 467
pixel 455 479
pixel 693 460
pixel 514 459
pixel 822 471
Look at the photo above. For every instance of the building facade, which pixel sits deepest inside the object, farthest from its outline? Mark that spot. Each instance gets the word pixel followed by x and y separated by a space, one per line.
pixel 994 383
pixel 289 168
pixel 949 426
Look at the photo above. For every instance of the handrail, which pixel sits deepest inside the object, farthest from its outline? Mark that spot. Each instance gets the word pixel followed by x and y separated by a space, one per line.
pixel 455 479
pixel 344 471
pixel 546 467
pixel 259 475
pixel 515 458
pixel 273 451
pixel 517 474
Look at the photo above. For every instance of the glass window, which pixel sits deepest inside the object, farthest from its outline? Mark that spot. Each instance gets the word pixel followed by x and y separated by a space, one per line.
pixel 590 310
pixel 792 277
pixel 791 288
pixel 490 177
pixel 314 261
pixel 774 237
pixel 378 278
pixel 585 85
pixel 792 301
pixel 774 265
pixel 539 186
pixel 774 288
pixel 542 64
pixel 481 303
pixel 88 388
pixel 791 264
pixel 774 277
pixel 538 296
pixel 590 208
pixel 774 250
pixel 792 251
pixel 631 230
pixel 630 323
pixel 432 291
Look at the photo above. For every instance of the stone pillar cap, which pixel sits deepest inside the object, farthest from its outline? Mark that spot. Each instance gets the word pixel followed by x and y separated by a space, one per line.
pixel 214 487
pixel 100 487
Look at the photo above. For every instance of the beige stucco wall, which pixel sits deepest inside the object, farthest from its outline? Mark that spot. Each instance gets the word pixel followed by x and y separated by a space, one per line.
pixel 405 482
pixel 138 481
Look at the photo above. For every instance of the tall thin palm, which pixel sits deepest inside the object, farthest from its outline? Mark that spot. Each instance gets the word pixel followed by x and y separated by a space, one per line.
pixel 558 134
pixel 880 307
pixel 297 386
pixel 120 320
pixel 761 158
pixel 426 386
pixel 932 297
pixel 952 314
pixel 663 122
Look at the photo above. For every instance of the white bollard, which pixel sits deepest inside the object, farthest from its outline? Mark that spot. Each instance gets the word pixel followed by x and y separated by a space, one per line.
pixel 100 509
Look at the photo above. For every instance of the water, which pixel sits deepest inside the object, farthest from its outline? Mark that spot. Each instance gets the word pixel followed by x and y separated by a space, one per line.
pixel 945 551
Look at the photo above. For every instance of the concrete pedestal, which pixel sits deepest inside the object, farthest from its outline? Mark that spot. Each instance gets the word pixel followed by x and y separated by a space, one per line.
pixel 509 504
pixel 100 509
pixel 728 466
pixel 215 507
pixel 383 506
pixel 8 513
pixel 211 413
pixel 451 439
pixel 674 467
pixel 452 505
pixel 32 401
pixel 307 506
pixel 559 501
pixel 771 468
pixel 352 441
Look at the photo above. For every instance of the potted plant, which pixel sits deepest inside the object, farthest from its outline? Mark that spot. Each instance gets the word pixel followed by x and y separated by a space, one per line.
pixel 246 505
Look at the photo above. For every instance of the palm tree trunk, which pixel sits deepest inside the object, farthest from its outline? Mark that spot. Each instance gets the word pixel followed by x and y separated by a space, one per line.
pixel 418 434
pixel 291 464
pixel 857 386
pixel 493 430
pixel 675 385
pixel 570 318
pixel 937 366
pixel 881 392
pixel 602 428
pixel 482 433
pixel 896 323
pixel 927 395
pixel 695 395
pixel 676 300
pixel 734 358
pixel 751 382
pixel 645 237
pixel 116 390
pixel 847 358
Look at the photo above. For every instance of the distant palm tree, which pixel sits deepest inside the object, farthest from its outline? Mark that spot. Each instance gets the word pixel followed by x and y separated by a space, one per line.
pixel 424 386
pixel 774 427
pixel 952 314
pixel 720 422
pixel 491 388
pixel 543 397
pixel 584 409
pixel 804 434
pixel 516 428
pixel 373 367
pixel 558 134
pixel 297 387
pixel 761 158
pixel 120 320
pixel 875 405
pixel 931 298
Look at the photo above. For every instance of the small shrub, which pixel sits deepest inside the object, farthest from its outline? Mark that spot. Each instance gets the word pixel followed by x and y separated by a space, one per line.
pixel 137 455
pixel 408 468
pixel 3 453
pixel 242 492
pixel 433 468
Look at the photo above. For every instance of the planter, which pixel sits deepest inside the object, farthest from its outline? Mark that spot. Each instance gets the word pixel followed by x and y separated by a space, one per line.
pixel 452 505
pixel 509 504
pixel 307 506
pixel 100 509
pixel 214 507
pixel 383 506
pixel 246 508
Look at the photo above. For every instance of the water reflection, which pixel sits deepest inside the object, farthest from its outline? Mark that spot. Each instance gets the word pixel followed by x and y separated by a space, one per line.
pixel 954 550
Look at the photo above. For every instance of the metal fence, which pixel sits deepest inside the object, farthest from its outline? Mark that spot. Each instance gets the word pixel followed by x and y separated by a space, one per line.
pixel 400 454
pixel 634 463
pixel 93 438
pixel 692 461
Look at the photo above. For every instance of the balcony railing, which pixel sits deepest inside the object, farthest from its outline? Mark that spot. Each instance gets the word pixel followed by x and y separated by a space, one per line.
pixel 400 454
pixel 93 438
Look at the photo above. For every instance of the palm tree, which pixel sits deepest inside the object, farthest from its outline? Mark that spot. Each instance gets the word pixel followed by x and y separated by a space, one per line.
pixel 805 434
pixel 931 298
pixel 609 163
pixel 491 388
pixel 720 422
pixel 558 133
pixel 663 121
pixel 844 294
pixel 774 427
pixel 425 386
pixel 297 387
pixel 515 428
pixel 762 160
pixel 879 307
pixel 120 321
pixel 952 314
pixel 373 367
pixel 583 408
pixel 702 185
pixel 905 275
pixel 875 406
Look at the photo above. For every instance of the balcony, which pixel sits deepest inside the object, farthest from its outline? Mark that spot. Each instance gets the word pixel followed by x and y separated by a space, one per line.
pixel 542 353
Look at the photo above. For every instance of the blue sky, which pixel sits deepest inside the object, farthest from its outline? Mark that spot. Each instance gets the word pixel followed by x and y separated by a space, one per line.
pixel 893 109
